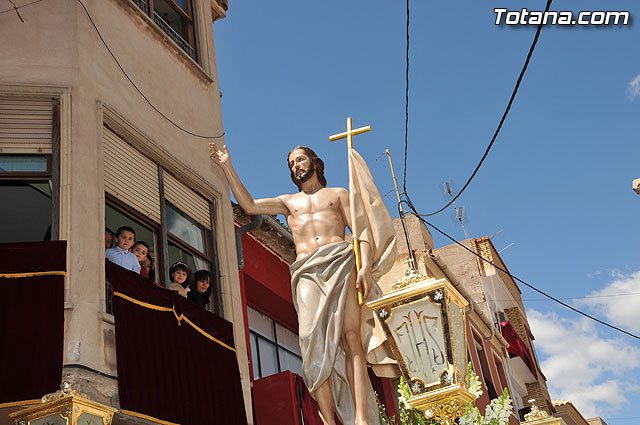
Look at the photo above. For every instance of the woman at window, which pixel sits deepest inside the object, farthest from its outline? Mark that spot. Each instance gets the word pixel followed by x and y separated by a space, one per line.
pixel 180 275
pixel 200 288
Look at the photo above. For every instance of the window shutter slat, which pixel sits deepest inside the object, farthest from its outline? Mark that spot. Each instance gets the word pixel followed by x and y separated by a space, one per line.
pixel 26 124
pixel 130 176
pixel 187 200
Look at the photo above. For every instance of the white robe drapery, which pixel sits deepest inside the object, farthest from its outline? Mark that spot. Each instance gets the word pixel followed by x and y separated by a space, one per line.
pixel 319 285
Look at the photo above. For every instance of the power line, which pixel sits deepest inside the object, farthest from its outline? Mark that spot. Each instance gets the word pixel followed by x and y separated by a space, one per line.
pixel 563 298
pixel 495 135
pixel 529 285
pixel 15 8
pixel 17 11
pixel 406 108
pixel 136 87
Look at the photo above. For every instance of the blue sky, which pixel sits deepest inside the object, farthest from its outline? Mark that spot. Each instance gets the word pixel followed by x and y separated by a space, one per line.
pixel 557 181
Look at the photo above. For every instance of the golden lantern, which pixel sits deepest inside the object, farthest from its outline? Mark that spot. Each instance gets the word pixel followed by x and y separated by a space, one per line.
pixel 424 320
pixel 65 407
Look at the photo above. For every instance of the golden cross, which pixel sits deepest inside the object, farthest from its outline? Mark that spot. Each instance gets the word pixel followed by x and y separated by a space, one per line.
pixel 349 133
pixel 356 243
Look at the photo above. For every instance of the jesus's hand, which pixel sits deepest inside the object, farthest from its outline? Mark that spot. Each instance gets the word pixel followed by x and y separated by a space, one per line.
pixel 364 281
pixel 220 157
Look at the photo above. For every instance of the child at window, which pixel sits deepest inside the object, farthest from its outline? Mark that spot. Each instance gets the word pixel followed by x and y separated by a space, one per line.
pixel 140 249
pixel 180 275
pixel 152 266
pixel 108 238
pixel 120 254
pixel 200 288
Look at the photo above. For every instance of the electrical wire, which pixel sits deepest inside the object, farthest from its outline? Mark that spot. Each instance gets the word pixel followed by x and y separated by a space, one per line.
pixel 561 298
pixel 136 87
pixel 15 8
pixel 495 135
pixel 406 109
pixel 17 11
pixel 529 285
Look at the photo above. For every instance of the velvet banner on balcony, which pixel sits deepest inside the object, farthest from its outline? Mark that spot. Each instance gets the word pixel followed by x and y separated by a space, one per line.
pixel 31 320
pixel 176 361
pixel 517 347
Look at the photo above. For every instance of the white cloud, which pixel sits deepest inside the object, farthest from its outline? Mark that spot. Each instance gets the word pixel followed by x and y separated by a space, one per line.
pixel 622 310
pixel 596 374
pixel 634 87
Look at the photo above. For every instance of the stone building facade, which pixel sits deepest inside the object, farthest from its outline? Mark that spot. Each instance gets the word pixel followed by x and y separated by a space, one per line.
pixel 106 111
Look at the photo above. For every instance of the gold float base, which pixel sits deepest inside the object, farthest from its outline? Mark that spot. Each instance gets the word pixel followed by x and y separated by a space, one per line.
pixel 65 406
pixel 444 405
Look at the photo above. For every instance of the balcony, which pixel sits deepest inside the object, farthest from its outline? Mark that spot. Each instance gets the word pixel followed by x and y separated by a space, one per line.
pixel 174 35
pixel 521 371
pixel 167 29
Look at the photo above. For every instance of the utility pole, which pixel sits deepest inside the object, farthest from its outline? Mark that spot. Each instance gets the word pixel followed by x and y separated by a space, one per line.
pixel 413 265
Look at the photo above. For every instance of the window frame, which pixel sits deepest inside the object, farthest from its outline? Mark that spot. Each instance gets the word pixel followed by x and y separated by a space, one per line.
pixel 29 175
pixel 52 174
pixel 126 210
pixel 164 237
pixel 258 336
pixel 502 375
pixel 147 7
pixel 483 363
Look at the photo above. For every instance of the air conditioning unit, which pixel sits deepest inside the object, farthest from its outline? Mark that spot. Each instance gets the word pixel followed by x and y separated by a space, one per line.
pixel 501 317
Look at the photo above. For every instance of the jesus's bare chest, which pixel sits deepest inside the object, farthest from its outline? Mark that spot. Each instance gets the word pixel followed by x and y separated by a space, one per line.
pixel 322 201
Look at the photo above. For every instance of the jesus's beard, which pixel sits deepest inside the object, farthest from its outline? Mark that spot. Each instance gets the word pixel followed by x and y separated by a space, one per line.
pixel 306 175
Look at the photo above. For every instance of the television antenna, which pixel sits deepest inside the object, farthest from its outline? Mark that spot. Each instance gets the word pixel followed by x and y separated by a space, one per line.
pixel 449 190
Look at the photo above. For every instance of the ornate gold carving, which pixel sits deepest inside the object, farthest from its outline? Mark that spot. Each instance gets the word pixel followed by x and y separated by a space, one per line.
pixel 535 413
pixel 65 412
pixel 447 412
pixel 411 276
pixel 444 405
pixel 64 391
pixel 69 404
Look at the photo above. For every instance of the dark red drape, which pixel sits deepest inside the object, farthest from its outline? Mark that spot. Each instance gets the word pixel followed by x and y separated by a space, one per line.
pixel 31 319
pixel 167 368
pixel 517 347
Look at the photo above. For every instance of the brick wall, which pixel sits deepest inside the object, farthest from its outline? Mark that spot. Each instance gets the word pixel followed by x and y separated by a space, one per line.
pixel 536 391
pixel 485 248
pixel 518 322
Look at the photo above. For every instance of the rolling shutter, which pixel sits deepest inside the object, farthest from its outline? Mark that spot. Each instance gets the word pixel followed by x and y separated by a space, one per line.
pixel 130 176
pixel 186 200
pixel 26 124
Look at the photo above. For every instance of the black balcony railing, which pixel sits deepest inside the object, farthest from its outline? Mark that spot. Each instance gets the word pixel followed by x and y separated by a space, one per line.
pixel 142 4
pixel 174 35
pixel 164 26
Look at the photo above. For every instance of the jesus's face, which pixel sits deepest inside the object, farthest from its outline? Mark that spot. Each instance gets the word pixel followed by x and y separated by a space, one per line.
pixel 301 166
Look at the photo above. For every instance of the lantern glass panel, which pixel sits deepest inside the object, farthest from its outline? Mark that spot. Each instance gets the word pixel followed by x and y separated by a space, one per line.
pixel 418 332
pixel 89 419
pixel 458 335
pixel 54 419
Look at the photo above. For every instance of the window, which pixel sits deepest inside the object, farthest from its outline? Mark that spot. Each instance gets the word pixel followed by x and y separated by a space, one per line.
pixel 117 215
pixel 503 377
pixel 28 169
pixel 274 348
pixel 177 227
pixel 175 18
pixel 26 193
pixel 485 374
